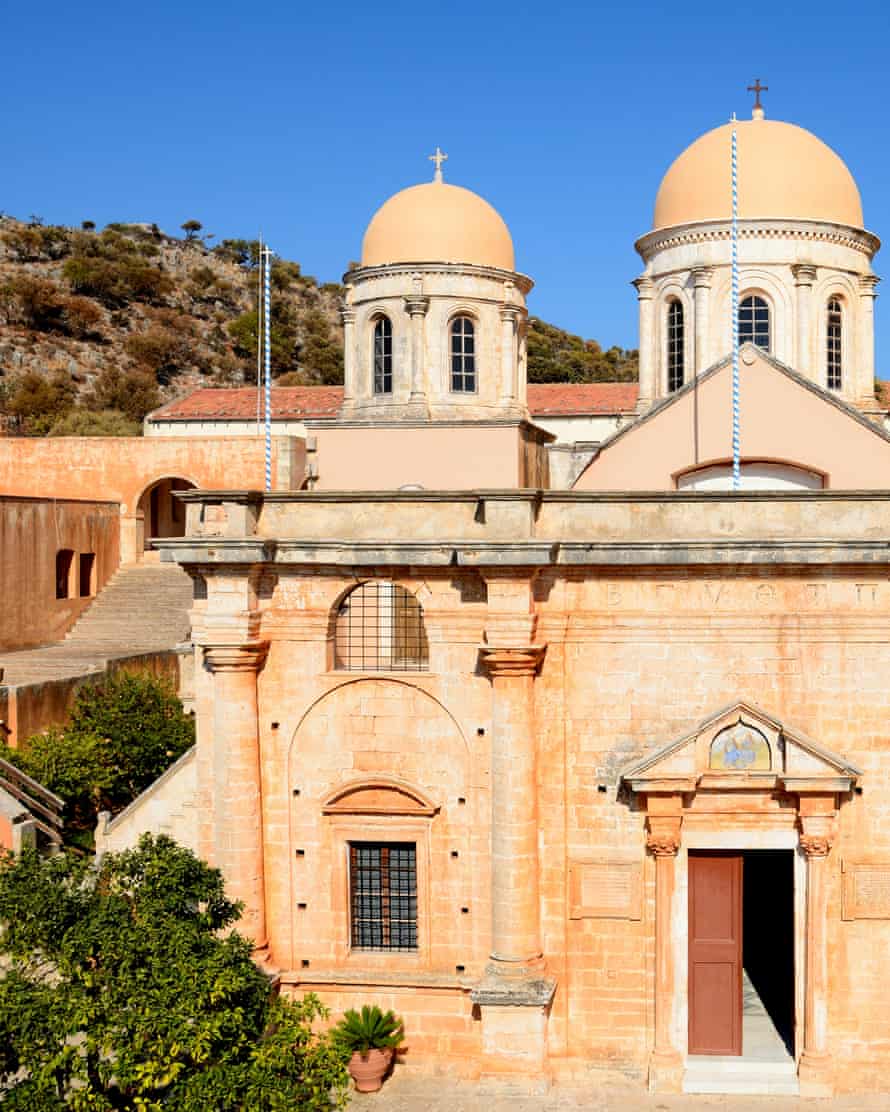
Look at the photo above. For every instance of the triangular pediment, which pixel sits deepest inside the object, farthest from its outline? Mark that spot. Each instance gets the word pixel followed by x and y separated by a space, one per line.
pixel 741 746
pixel 691 430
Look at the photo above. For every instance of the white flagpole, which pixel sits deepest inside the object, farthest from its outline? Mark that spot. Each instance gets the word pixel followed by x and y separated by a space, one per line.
pixel 734 237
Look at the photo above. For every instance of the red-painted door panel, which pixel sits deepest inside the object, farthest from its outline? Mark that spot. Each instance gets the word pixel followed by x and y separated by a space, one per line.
pixel 715 953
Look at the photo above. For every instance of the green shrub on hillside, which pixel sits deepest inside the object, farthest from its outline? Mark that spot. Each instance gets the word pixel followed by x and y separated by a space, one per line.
pixel 37 401
pixel 92 422
pixel 133 393
pixel 39 304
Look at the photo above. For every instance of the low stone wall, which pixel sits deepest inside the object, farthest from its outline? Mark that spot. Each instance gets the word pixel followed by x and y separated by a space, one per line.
pixel 168 806
pixel 32 708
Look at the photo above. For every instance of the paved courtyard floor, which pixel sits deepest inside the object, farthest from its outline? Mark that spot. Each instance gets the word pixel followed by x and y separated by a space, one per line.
pixel 406 1091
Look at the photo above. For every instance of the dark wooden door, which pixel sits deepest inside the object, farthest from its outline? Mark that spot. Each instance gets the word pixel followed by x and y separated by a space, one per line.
pixel 715 953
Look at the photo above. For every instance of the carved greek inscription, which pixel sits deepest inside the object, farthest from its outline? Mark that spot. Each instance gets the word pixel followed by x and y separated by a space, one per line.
pixel 866 891
pixel 713 591
pixel 766 594
pixel 816 594
pixel 867 594
pixel 605 889
pixel 613 594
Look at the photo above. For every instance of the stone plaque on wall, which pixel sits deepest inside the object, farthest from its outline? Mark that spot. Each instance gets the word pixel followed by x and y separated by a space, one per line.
pixel 866 890
pixel 606 889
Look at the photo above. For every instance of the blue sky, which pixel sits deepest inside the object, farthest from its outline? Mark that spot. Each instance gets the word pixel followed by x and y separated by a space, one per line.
pixel 301 119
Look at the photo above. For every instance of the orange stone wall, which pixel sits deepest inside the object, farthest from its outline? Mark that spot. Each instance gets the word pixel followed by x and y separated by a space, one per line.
pixel 634 659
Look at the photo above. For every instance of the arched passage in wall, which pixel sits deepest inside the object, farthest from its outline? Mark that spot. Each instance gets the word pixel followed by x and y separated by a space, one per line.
pixel 162 514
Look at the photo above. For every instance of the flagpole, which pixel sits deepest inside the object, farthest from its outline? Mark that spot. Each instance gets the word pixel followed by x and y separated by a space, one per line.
pixel 267 349
pixel 734 239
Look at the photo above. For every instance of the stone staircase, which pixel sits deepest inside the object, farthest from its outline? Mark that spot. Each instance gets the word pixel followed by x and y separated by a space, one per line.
pixel 142 609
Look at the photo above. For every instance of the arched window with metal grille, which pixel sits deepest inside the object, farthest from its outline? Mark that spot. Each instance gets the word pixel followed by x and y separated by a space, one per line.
pixel 383 356
pixel 676 346
pixel 754 322
pixel 379 628
pixel 834 338
pixel 463 355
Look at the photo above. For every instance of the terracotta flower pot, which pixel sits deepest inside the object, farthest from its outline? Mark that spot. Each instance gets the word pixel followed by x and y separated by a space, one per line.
pixel 367 1071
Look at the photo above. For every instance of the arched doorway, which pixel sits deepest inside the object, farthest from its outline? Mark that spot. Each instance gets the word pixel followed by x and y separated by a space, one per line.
pixel 162 514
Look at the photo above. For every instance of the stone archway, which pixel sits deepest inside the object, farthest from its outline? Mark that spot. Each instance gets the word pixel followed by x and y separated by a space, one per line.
pixel 784 789
pixel 160 513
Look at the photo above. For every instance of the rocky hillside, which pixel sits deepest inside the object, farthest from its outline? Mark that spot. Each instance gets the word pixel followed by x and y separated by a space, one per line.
pixel 99 327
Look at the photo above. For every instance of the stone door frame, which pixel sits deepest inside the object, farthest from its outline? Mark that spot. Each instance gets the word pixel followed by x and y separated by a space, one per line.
pixel 736 841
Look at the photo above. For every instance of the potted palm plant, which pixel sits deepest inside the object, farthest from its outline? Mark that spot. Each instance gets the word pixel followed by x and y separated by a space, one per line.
pixel 370 1037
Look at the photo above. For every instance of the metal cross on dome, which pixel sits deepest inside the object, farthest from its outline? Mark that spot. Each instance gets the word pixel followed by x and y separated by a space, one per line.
pixel 438 158
pixel 757 89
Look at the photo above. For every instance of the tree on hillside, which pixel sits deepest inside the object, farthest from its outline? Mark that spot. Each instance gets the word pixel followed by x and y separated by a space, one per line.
pixel 191 229
pixel 125 989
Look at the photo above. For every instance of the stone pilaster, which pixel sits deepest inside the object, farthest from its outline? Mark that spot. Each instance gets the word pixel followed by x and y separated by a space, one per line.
pixel 816 837
pixel 416 307
pixel 236 786
pixel 663 826
pixel 804 277
pixel 701 285
pixel 648 391
pixel 865 385
pixel 347 315
pixel 509 359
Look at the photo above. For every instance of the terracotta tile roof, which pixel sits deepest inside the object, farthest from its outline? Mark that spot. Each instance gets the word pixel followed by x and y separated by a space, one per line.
pixel 564 399
pixel 550 399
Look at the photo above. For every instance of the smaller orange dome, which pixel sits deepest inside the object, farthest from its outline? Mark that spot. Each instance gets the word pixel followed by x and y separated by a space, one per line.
pixel 437 223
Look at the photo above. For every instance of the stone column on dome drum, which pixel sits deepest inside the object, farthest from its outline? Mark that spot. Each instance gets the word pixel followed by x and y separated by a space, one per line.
pixel 416 307
pixel 865 387
pixel 804 277
pixel 817 831
pixel 701 281
pixel 644 286
pixel 515 908
pixel 349 384
pixel 509 361
pixel 237 796
pixel 663 841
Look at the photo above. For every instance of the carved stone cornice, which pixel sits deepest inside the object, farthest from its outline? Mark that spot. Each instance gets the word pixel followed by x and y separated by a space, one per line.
pixel 711 231
pixel 868 284
pixel 518 660
pixel 243 657
pixel 804 274
pixel 663 834
pixel 347 315
pixel 362 274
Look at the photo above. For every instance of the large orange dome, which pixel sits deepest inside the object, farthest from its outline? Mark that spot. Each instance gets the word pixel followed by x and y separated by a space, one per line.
pixel 784 172
pixel 437 222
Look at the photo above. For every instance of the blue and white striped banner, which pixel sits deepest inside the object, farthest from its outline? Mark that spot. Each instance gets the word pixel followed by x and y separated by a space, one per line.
pixel 267 358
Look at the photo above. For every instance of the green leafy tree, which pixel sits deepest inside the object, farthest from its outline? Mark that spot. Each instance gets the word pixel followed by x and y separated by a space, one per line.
pixel 123 733
pixel 132 393
pixel 558 356
pixel 125 989
pixel 92 422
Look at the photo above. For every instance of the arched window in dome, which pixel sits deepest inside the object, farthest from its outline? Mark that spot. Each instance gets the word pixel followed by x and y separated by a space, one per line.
pixel 754 322
pixel 463 355
pixel 834 336
pixel 379 628
pixel 383 356
pixel 676 346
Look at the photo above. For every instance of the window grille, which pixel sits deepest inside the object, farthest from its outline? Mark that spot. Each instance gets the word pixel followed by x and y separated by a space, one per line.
pixel 383 356
pixel 383 895
pixel 675 346
pixel 463 355
pixel 754 322
pixel 834 338
pixel 380 628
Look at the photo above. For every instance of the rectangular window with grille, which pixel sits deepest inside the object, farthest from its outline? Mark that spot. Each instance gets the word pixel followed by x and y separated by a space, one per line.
pixel 383 895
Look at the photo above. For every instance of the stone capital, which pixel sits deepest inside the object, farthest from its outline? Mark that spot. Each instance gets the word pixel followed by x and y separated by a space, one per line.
pixel 511 660
pixel 509 313
pixel 804 274
pixel 645 287
pixel 416 306
pixel 244 657
pixel 868 285
pixel 816 834
pixel 347 315
pixel 663 834
pixel 701 277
